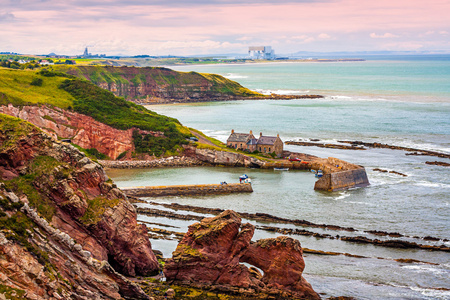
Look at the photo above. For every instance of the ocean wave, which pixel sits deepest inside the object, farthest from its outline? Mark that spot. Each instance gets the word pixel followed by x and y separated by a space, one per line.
pixel 433 184
pixel 341 97
pixel 433 293
pixel 282 92
pixel 426 269
pixel 234 76
pixel 343 196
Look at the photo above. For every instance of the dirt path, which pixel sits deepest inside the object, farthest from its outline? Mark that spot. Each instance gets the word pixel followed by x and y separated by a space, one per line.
pixel 202 139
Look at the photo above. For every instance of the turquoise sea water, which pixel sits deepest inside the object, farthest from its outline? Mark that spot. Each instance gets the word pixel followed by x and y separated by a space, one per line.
pixel 403 101
pixel 408 78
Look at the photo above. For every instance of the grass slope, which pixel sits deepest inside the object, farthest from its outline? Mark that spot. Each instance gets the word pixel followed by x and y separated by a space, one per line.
pixel 68 92
pixel 16 88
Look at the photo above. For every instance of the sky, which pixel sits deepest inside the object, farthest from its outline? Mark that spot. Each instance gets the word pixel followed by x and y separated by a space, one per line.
pixel 208 27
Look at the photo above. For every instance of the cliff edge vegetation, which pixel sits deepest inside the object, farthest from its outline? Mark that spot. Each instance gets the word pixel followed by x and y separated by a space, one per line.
pixel 152 133
pixel 156 84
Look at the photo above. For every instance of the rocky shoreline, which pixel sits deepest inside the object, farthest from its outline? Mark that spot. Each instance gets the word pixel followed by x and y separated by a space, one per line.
pixel 413 151
pixel 262 217
pixel 323 145
pixel 358 145
pixel 219 98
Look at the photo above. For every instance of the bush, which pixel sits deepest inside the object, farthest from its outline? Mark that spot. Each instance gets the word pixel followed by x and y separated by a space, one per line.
pixel 97 154
pixel 37 81
pixel 121 155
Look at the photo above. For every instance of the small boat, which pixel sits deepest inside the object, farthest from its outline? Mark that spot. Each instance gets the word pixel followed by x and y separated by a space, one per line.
pixel 319 173
pixel 243 177
pixel 281 169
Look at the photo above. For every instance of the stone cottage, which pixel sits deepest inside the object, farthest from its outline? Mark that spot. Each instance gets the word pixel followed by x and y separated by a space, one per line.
pixel 263 144
pixel 239 140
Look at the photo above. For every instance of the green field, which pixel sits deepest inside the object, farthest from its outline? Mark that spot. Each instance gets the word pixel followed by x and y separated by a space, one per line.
pixel 16 88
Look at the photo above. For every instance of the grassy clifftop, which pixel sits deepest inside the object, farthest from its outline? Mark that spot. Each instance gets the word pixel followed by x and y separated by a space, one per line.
pixel 155 81
pixel 21 87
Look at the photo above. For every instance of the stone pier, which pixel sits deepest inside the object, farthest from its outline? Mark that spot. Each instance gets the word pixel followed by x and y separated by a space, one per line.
pixel 187 190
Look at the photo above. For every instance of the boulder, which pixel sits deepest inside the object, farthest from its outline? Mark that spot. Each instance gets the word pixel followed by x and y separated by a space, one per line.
pixel 213 251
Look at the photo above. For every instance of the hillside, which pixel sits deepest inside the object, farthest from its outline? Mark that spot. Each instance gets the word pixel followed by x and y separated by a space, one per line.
pixel 159 85
pixel 66 230
pixel 70 107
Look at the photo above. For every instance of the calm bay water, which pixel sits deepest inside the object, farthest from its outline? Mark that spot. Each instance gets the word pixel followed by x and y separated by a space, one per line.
pixel 401 102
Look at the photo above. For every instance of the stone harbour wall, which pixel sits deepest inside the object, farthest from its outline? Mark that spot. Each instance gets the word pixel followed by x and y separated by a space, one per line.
pixel 342 180
pixel 183 190
pixel 156 163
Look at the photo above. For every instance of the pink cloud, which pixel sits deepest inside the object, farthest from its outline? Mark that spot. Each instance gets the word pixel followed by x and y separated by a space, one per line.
pixel 143 28
pixel 387 35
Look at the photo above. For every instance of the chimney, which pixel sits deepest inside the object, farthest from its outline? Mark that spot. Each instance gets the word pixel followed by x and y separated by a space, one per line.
pixel 260 134
pixel 251 132
pixel 232 131
pixel 278 135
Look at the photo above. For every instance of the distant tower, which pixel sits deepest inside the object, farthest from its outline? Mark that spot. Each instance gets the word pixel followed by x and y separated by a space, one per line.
pixel 86 53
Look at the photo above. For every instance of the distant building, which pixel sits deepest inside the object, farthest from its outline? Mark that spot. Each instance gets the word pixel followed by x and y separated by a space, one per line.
pixel 86 52
pixel 248 142
pixel 45 62
pixel 261 52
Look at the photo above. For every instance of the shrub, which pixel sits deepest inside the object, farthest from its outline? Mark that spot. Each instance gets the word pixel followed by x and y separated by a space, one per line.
pixel 121 155
pixel 37 81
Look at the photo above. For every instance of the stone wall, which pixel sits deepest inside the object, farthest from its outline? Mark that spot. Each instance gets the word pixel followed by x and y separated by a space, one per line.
pixel 342 180
pixel 182 190
pixel 166 162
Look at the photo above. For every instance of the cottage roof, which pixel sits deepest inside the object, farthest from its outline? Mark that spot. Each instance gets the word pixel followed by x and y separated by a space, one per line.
pixel 239 137
pixel 267 140
pixel 252 142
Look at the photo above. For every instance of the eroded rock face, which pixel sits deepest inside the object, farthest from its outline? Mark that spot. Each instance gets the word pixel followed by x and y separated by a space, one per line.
pixel 212 253
pixel 91 225
pixel 83 130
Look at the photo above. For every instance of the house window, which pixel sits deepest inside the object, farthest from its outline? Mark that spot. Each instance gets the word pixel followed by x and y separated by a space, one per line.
pixel 269 149
pixel 265 150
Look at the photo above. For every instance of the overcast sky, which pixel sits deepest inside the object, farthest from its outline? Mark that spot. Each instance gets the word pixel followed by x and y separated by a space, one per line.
pixel 183 27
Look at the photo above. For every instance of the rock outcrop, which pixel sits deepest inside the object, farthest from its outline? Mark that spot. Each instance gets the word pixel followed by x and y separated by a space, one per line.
pixel 81 129
pixel 66 228
pixel 213 252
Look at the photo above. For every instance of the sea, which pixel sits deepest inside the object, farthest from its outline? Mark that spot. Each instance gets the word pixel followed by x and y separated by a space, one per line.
pixel 395 100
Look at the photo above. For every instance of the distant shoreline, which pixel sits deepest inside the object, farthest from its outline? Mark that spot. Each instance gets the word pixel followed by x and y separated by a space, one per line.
pixel 249 62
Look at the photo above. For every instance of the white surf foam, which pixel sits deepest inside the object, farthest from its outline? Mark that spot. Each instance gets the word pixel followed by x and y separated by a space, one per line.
pixel 282 92
pixel 433 184
pixel 426 269
pixel 234 76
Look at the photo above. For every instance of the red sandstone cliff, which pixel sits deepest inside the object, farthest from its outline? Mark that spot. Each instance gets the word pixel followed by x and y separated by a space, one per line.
pixel 83 130
pixel 150 85
pixel 89 224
